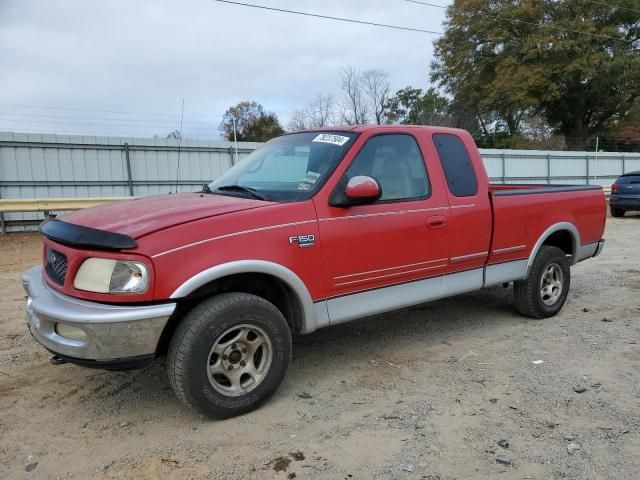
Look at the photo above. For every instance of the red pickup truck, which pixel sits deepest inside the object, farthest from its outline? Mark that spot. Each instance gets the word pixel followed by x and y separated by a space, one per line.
pixel 310 230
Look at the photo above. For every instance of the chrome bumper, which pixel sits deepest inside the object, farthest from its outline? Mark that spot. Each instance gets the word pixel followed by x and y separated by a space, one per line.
pixel 112 332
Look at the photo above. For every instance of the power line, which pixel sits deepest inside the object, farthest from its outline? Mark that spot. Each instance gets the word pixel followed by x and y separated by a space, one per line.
pixel 99 124
pixel 329 17
pixel 47 107
pixel 613 5
pixel 590 1
pixel 411 29
pixel 135 120
pixel 516 20
pixel 444 7
pixel 92 133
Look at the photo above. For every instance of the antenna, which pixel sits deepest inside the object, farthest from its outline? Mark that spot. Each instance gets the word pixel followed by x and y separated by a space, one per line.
pixel 179 145
pixel 235 139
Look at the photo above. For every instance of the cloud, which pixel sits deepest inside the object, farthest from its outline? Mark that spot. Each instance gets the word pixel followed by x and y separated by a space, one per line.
pixel 146 56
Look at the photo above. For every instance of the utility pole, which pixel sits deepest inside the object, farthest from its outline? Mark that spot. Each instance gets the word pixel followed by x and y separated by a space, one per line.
pixel 597 143
pixel 179 145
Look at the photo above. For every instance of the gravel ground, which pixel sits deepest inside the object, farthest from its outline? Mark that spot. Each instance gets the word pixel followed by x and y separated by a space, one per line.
pixel 423 393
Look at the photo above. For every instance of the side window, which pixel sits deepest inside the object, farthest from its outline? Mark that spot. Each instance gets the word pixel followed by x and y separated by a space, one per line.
pixel 457 166
pixel 396 163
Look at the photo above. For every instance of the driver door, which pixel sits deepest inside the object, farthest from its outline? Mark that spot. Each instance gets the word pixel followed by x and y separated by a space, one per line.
pixel 400 239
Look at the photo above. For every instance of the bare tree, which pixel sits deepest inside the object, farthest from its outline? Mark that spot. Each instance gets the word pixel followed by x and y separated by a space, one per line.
pixel 366 100
pixel 299 120
pixel 356 110
pixel 321 112
pixel 376 88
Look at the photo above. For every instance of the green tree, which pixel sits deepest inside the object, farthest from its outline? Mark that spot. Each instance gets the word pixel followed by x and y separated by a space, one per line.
pixel 175 135
pixel 413 106
pixel 252 123
pixel 624 135
pixel 507 60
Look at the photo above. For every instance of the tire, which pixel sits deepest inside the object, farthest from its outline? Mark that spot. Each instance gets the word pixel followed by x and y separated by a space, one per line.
pixel 239 332
pixel 543 293
pixel 616 212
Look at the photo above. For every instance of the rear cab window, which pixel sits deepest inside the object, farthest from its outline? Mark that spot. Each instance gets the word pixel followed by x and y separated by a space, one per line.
pixel 456 164
pixel 628 179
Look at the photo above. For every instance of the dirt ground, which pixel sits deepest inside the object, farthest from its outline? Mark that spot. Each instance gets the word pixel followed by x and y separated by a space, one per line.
pixel 423 393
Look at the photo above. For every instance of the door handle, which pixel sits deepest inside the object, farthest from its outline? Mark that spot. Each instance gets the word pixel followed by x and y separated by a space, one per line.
pixel 437 221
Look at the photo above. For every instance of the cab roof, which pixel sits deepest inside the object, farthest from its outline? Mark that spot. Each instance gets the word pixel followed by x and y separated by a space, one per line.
pixel 388 128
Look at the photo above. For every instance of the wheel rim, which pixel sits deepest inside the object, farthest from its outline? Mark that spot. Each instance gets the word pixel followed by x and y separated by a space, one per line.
pixel 239 360
pixel 551 284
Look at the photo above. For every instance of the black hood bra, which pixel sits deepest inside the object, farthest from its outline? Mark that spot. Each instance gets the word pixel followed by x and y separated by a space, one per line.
pixel 86 237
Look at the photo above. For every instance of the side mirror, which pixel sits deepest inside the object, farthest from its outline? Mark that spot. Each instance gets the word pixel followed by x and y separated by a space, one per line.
pixel 360 190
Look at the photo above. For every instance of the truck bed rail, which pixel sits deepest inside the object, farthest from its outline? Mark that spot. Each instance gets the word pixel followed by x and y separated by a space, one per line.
pixel 523 189
pixel 47 205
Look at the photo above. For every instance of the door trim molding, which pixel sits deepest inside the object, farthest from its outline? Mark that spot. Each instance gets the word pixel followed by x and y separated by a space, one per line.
pixel 391 268
pixel 382 214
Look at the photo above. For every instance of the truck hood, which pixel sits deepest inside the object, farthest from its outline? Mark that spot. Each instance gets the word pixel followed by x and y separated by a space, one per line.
pixel 141 216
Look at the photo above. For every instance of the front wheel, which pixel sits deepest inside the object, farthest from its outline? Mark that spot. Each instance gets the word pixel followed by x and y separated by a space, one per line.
pixel 229 354
pixel 543 293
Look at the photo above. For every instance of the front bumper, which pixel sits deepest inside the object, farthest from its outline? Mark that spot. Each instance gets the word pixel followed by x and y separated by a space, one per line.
pixel 113 332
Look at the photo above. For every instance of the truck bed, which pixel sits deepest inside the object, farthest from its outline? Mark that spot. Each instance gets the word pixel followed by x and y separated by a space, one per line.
pixel 525 213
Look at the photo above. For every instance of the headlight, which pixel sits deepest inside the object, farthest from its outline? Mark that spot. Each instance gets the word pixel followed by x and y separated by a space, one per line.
pixel 103 275
pixel 129 277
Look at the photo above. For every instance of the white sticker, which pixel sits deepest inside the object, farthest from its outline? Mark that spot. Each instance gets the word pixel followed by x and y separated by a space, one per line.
pixel 332 139
pixel 311 177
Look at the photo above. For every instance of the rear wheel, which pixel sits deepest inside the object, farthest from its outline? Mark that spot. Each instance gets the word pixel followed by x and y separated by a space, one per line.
pixel 543 293
pixel 616 212
pixel 229 354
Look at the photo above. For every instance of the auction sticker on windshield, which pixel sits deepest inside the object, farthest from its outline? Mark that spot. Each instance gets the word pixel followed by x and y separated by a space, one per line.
pixel 311 177
pixel 332 139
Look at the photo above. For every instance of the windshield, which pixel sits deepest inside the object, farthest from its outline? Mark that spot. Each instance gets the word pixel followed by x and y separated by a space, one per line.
pixel 288 168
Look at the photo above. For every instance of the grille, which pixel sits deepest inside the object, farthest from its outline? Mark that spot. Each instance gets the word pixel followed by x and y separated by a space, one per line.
pixel 56 266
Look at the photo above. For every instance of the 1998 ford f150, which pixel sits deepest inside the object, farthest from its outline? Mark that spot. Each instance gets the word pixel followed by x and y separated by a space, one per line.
pixel 310 230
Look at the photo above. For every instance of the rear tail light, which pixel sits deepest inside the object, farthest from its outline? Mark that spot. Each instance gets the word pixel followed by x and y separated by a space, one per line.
pixel 614 187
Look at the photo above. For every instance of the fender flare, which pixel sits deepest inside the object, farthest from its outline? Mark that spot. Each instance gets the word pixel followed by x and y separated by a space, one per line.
pixel 309 322
pixel 557 227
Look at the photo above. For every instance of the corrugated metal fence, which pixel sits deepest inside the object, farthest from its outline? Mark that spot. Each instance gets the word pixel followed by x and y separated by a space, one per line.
pixel 61 166
pixel 47 166
pixel 540 166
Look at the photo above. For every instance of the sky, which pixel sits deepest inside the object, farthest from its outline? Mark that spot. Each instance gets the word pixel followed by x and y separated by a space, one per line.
pixel 123 67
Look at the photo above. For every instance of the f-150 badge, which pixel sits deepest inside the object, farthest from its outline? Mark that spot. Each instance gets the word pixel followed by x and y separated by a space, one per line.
pixel 303 241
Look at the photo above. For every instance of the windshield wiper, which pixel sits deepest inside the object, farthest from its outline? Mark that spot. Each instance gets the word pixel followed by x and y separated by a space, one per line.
pixel 239 188
pixel 206 189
